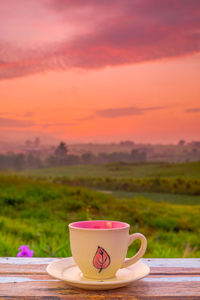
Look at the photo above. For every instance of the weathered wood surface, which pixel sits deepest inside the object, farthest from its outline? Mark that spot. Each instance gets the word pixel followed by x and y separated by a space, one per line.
pixel 26 278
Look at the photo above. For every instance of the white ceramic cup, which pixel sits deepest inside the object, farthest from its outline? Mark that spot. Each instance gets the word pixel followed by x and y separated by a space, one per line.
pixel 99 248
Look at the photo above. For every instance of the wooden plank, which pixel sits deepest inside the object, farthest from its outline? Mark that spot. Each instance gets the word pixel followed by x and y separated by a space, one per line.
pixel 22 269
pixel 26 260
pixel 150 287
pixel 173 262
pixel 176 266
pixel 158 266
pixel 152 262
pixel 150 278
pixel 25 265
pixel 41 269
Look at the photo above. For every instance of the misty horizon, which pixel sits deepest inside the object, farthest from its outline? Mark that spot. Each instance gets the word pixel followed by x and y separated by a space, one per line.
pixel 45 141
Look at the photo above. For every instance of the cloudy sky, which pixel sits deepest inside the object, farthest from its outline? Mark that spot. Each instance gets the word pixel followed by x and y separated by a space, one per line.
pixel 100 70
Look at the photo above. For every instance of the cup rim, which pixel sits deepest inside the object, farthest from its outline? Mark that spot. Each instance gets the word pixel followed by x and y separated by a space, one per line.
pixel 73 225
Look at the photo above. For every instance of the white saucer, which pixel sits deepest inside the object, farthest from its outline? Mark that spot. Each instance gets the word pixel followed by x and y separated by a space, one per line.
pixel 66 269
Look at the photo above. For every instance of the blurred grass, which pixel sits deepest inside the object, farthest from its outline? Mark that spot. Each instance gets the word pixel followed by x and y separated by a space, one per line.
pixel 189 170
pixel 37 213
pixel 158 197
pixel 153 185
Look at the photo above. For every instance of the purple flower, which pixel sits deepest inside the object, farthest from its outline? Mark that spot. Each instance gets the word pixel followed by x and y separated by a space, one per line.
pixel 25 251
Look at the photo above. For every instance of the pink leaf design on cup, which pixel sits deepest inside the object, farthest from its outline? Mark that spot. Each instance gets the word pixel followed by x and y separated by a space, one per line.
pixel 101 259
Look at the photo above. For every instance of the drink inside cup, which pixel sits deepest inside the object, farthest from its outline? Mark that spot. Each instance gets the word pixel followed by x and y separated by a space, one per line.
pixel 99 247
pixel 99 224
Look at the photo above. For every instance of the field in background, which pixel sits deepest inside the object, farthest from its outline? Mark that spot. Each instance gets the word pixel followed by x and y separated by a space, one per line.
pixel 136 170
pixel 158 197
pixel 151 180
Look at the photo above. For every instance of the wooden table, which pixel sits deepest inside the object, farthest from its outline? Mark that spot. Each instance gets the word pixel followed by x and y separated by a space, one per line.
pixel 26 278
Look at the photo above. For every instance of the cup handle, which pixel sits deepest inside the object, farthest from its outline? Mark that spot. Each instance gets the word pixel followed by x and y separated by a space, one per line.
pixel 141 251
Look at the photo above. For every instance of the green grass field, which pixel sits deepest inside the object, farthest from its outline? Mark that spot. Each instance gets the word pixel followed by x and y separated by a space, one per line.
pixel 122 170
pixel 157 178
pixel 157 197
pixel 37 213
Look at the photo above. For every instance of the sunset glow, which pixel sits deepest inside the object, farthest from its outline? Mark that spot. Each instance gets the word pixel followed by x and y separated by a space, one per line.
pixel 95 71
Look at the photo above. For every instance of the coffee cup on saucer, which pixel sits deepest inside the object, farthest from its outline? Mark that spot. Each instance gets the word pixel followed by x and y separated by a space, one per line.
pixel 99 247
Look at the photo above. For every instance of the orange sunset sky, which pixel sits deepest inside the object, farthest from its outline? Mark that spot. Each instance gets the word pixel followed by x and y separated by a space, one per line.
pixel 100 71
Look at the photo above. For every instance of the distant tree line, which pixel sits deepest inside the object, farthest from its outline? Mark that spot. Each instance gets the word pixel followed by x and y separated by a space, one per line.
pixel 61 157
pixel 19 161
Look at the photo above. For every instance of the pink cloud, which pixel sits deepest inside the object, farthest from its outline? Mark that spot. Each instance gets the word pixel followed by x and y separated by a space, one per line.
pixel 23 115
pixel 6 122
pixel 116 32
pixel 124 111
pixel 193 110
